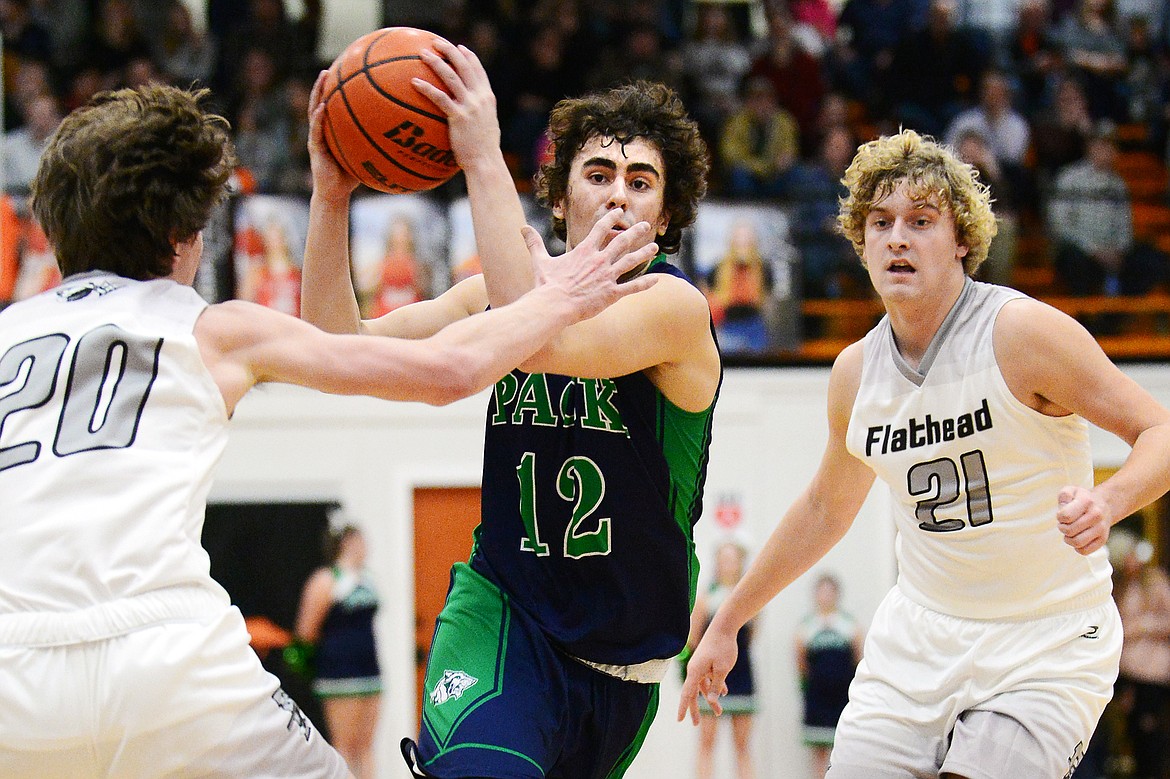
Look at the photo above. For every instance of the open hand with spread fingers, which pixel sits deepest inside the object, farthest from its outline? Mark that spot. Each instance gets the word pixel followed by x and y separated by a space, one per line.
pixel 590 272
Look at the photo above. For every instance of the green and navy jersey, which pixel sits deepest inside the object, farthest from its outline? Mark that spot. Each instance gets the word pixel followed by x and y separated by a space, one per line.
pixel 591 490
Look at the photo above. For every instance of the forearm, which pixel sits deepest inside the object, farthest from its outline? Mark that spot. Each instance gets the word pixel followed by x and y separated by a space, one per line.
pixel 803 536
pixel 489 345
pixel 497 216
pixel 327 295
pixel 1143 477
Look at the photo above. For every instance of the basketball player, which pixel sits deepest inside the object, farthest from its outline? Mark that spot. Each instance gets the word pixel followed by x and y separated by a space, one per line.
pixel 119 655
pixel 996 651
pixel 548 654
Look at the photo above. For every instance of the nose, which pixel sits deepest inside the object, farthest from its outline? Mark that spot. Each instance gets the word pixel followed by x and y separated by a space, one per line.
pixel 898 235
pixel 618 195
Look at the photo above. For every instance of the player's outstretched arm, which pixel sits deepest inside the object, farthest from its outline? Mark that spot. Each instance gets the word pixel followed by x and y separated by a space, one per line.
pixel 814 523
pixel 244 344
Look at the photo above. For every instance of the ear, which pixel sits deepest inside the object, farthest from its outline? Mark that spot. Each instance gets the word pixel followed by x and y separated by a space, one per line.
pixel 962 252
pixel 558 209
pixel 663 223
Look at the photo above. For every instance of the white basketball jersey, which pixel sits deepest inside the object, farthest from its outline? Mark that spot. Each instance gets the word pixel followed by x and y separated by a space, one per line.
pixel 973 473
pixel 110 429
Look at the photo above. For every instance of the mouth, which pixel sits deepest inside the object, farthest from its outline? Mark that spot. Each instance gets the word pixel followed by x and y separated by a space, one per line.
pixel 900 267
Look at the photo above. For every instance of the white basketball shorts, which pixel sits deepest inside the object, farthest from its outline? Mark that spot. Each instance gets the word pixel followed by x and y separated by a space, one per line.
pixel 923 670
pixel 177 699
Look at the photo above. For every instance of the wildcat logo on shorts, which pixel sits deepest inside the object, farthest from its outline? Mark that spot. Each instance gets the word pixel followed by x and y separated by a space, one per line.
pixel 452 686
pixel 296 720
pixel 1075 759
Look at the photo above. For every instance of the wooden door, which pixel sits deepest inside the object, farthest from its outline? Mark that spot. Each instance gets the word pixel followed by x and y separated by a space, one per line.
pixel 444 518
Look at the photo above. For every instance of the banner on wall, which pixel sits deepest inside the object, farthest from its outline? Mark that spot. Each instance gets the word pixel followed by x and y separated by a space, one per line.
pixel 269 250
pixel 399 251
pixel 749 270
pixel 27 263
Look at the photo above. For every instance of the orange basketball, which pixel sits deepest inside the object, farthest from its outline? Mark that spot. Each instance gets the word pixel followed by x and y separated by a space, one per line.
pixel 377 125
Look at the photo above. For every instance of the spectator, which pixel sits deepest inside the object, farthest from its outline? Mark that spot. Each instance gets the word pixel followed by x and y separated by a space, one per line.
pixel 83 85
pixel 996 120
pixel 796 77
pixel 872 31
pixel 990 22
pixel 292 174
pixel 1095 53
pixel 828 649
pixel 290 43
pixel 1143 598
pixel 1153 13
pixel 1029 54
pixel 24 34
pixel 25 80
pixel 820 16
pixel 23 146
pixel 141 71
pixel 547 77
pixel 71 22
pixel 974 149
pixel 740 701
pixel 114 41
pixel 641 56
pixel 259 119
pixel 185 54
pixel 933 73
pixel 1090 219
pixel 834 112
pixel 1145 89
pixel 828 262
pixel 1061 132
pixel 714 63
pixel 759 143
pixel 336 618
pixel 1009 135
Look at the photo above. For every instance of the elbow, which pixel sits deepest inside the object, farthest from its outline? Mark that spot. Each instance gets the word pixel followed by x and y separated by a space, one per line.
pixel 458 374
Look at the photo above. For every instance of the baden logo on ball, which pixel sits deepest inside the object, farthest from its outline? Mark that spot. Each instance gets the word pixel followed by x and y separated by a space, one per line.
pixel 378 126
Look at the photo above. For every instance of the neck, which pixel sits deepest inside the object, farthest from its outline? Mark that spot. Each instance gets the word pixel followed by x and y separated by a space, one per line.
pixel 915 323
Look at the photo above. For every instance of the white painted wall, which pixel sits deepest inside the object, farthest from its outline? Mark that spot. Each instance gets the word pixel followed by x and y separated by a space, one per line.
pixel 770 429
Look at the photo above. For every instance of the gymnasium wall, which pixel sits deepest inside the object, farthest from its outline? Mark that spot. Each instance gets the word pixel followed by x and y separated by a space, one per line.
pixel 293 445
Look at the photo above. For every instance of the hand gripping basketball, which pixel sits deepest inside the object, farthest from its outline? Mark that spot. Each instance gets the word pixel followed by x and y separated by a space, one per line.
pixel 378 126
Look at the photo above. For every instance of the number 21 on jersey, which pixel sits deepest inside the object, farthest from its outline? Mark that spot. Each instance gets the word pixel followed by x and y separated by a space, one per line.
pixel 937 482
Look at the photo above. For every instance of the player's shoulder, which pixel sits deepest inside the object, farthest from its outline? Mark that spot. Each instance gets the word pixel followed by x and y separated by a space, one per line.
pixel 1024 324
pixel 675 290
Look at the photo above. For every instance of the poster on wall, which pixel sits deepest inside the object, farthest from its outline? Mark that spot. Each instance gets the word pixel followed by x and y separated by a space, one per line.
pixel 269 250
pixel 27 263
pixel 747 267
pixel 399 251
pixel 464 257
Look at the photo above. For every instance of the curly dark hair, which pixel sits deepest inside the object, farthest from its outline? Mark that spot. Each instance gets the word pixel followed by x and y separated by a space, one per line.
pixel 642 109
pixel 127 176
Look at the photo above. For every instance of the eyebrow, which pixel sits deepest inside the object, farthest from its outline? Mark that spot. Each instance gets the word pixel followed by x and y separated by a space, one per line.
pixel 608 164
pixel 917 205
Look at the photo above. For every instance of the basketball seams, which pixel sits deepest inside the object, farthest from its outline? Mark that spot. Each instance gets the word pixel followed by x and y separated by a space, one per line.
pixel 373 145
pixel 440 118
pixel 366 123
pixel 367 65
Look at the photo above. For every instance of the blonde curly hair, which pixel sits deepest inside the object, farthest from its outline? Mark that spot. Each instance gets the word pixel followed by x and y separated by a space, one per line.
pixel 931 170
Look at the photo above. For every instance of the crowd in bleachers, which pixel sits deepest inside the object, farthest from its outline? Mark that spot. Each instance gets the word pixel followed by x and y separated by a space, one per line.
pixel 1061 104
